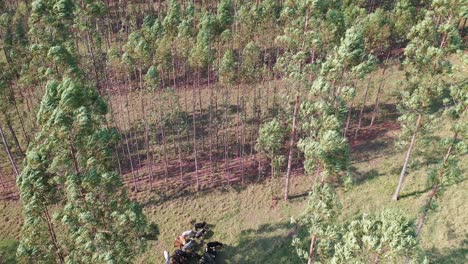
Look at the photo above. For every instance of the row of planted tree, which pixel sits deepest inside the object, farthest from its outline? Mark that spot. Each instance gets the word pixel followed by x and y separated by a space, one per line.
pixel 189 73
pixel 201 93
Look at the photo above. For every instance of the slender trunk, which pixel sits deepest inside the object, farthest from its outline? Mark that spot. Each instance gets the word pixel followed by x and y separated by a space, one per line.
pixel 166 162
pixel 195 139
pixel 73 156
pixel 361 111
pixel 405 165
pixel 200 107
pixel 174 77
pixel 163 138
pixel 2 182
pixel 181 170
pixel 348 119
pixel 291 149
pixel 238 121
pixel 112 116
pixel 135 134
pixel 8 151
pixel 376 104
pixel 216 124
pixel 131 161
pixel 210 121
pixel 91 50
pixel 15 138
pixel 149 157
pixel 243 136
pixel 53 236
pixel 377 95
pixel 20 118
pixel 225 132
pixel 311 250
pixel 128 146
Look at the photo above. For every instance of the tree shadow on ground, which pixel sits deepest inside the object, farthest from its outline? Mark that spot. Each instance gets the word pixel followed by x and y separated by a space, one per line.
pixel 157 198
pixel 270 243
pixel 299 196
pixel 425 190
pixel 414 193
pixel 455 255
pixel 360 177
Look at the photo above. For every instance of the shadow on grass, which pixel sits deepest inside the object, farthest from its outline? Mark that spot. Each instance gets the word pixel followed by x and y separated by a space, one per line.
pixel 298 196
pixel 270 243
pixel 155 199
pixel 406 195
pixel 425 190
pixel 455 255
pixel 360 177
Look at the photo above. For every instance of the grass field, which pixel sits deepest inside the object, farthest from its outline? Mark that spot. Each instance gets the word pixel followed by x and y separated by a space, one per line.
pixel 257 230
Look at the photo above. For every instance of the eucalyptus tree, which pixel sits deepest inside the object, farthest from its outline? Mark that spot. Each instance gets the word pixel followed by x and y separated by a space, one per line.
pixel 14 44
pixel 147 51
pixel 427 67
pixel 319 219
pixel 70 163
pixel 324 145
pixel 87 17
pixel 249 74
pixel 297 72
pixel 11 158
pixel 404 16
pixel 171 25
pixel 8 103
pixel 376 238
pixel 227 78
pixel 447 170
pixel 224 16
pixel 311 30
pixel 377 40
pixel 185 38
pixel 369 238
pixel 201 56
pixel 270 142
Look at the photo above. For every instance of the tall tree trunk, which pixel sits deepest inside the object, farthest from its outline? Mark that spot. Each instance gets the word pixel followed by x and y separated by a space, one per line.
pixel 163 138
pixel 225 132
pixel 291 149
pixel 376 104
pixel 128 145
pixel 20 118
pixel 181 169
pixel 237 122
pixel 200 106
pixel 8 151
pixel 210 121
pixel 195 139
pixel 243 136
pixel 108 83
pixel 377 95
pixel 348 119
pixel 405 165
pixel 361 111
pixel 149 157
pixel 53 236
pixel 311 250
pixel 15 138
